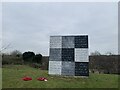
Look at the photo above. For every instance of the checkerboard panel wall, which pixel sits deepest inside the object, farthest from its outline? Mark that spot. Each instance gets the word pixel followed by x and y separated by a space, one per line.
pixel 81 69
pixel 55 67
pixel 81 41
pixel 68 68
pixel 69 55
pixel 81 54
pixel 55 54
pixel 69 40
pixel 55 42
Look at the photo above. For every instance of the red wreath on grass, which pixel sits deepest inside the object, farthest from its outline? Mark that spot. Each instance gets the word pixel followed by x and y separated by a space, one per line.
pixel 27 78
pixel 42 79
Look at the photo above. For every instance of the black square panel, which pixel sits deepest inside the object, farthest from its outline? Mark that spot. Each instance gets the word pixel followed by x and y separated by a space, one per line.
pixel 55 54
pixel 67 54
pixel 81 69
pixel 81 41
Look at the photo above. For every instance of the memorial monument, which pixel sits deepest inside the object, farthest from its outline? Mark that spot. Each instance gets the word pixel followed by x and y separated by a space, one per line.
pixel 69 55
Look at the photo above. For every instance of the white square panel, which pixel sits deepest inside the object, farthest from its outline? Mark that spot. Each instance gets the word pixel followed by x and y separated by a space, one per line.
pixel 55 42
pixel 81 55
pixel 55 67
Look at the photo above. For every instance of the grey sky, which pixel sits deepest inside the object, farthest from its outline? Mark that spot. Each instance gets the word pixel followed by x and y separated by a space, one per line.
pixel 27 26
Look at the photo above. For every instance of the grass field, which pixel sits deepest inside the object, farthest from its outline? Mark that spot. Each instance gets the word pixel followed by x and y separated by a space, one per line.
pixel 0 78
pixel 12 74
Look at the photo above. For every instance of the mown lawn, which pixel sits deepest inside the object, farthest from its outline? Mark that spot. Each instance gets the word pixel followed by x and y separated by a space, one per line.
pixel 12 74
pixel 0 78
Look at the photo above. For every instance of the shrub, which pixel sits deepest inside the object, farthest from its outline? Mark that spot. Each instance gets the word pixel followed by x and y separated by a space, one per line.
pixel 28 56
pixel 9 59
pixel 38 59
pixel 35 65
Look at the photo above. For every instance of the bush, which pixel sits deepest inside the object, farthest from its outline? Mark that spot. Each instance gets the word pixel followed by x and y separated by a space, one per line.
pixel 9 59
pixel 35 65
pixel 38 59
pixel 28 56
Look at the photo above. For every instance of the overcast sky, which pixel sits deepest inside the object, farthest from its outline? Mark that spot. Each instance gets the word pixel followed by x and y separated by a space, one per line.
pixel 28 26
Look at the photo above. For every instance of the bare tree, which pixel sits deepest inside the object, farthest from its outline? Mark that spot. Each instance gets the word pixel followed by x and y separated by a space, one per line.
pixel 5 47
pixel 109 53
pixel 16 53
pixel 95 53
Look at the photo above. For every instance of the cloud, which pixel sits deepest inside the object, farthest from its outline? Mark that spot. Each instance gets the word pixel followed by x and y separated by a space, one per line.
pixel 29 25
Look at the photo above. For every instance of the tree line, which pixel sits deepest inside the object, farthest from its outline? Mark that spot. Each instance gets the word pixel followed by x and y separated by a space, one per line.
pixel 16 57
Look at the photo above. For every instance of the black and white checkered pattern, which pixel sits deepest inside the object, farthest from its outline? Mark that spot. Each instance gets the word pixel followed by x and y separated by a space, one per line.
pixel 69 55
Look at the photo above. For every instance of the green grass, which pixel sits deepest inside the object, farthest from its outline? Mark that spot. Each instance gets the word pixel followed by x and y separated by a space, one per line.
pixel 12 74
pixel 0 78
